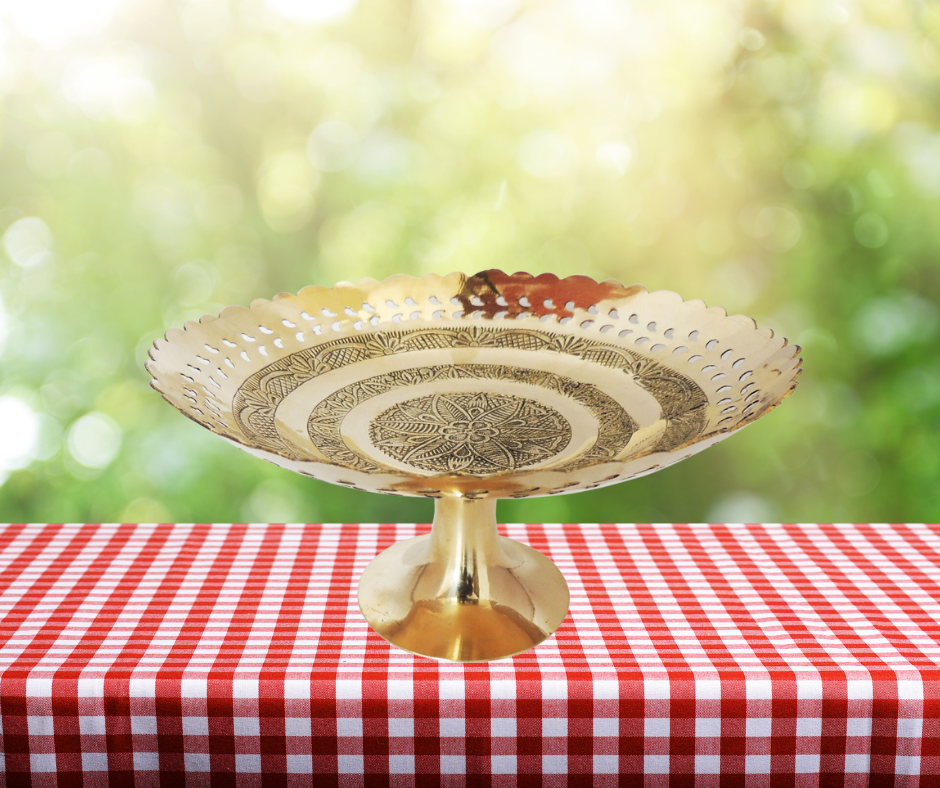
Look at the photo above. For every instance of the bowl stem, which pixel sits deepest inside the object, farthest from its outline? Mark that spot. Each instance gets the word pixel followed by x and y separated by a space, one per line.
pixel 463 592
pixel 466 544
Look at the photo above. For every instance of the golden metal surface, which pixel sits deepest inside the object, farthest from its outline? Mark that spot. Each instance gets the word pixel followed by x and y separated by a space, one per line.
pixel 469 389
pixel 463 592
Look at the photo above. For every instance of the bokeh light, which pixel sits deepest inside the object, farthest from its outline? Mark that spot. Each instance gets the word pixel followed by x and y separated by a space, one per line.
pixel 20 429
pixel 162 159
pixel 28 242
pixel 94 440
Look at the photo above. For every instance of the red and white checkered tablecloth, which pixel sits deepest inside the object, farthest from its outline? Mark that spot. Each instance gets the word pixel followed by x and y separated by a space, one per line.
pixel 697 655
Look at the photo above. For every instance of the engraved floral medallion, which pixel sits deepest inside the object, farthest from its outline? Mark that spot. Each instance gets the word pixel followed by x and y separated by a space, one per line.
pixel 470 433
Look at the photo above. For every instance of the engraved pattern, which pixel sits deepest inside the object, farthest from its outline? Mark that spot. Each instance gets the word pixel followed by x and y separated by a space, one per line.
pixel 470 432
pixel 255 402
pixel 323 426
pixel 710 373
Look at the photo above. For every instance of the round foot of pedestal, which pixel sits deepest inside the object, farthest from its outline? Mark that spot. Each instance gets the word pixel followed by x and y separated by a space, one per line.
pixel 463 593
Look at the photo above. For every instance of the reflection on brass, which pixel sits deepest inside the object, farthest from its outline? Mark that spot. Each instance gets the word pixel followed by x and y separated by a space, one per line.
pixel 463 592
pixel 466 390
pixel 452 629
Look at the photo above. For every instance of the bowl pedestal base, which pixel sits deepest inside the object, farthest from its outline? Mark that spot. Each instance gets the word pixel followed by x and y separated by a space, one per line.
pixel 463 592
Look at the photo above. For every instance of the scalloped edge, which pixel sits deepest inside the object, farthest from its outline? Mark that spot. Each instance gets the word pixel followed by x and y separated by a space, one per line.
pixel 372 284
pixel 463 286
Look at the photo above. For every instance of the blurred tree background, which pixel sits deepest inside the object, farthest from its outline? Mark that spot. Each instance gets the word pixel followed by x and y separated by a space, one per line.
pixel 161 159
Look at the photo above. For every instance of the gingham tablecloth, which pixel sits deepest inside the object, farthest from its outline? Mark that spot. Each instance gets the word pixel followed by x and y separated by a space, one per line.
pixel 692 655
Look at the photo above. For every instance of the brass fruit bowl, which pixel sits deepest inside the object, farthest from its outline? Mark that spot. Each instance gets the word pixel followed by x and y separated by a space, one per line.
pixel 466 390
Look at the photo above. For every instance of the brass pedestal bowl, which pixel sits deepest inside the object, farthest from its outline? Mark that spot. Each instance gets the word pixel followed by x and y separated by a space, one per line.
pixel 467 390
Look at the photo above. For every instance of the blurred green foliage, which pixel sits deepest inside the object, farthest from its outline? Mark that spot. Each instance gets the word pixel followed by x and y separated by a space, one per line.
pixel 162 159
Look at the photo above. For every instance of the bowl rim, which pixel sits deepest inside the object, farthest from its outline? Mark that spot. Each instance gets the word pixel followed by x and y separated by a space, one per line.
pixel 487 295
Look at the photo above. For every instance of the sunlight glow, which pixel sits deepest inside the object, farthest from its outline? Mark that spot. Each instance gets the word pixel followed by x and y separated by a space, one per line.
pixel 19 426
pixel 53 23
pixel 312 11
pixel 109 87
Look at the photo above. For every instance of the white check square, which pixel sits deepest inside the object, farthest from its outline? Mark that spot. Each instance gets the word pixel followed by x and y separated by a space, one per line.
pixel 349 726
pixel 42 762
pixel 146 761
pixel 707 727
pixel 92 726
pixel 195 726
pixel 858 726
pixel 247 763
pixel 758 727
pixel 757 764
pixel 656 727
pixel 606 726
pixel 246 726
pixel 806 764
pixel 503 764
pixel 856 763
pixel 297 726
pixel 401 727
pixel 810 727
pixel 41 725
pixel 351 764
pixel 503 727
pixel 95 761
pixel 453 727
pixel 143 726
pixel 453 764
pixel 196 761
pixel 708 764
pixel 300 764
pixel 555 727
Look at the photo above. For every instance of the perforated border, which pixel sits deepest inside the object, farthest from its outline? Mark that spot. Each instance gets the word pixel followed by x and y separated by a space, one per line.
pixel 698 339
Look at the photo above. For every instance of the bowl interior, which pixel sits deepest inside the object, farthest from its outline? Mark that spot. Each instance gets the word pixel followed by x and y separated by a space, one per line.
pixel 491 385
